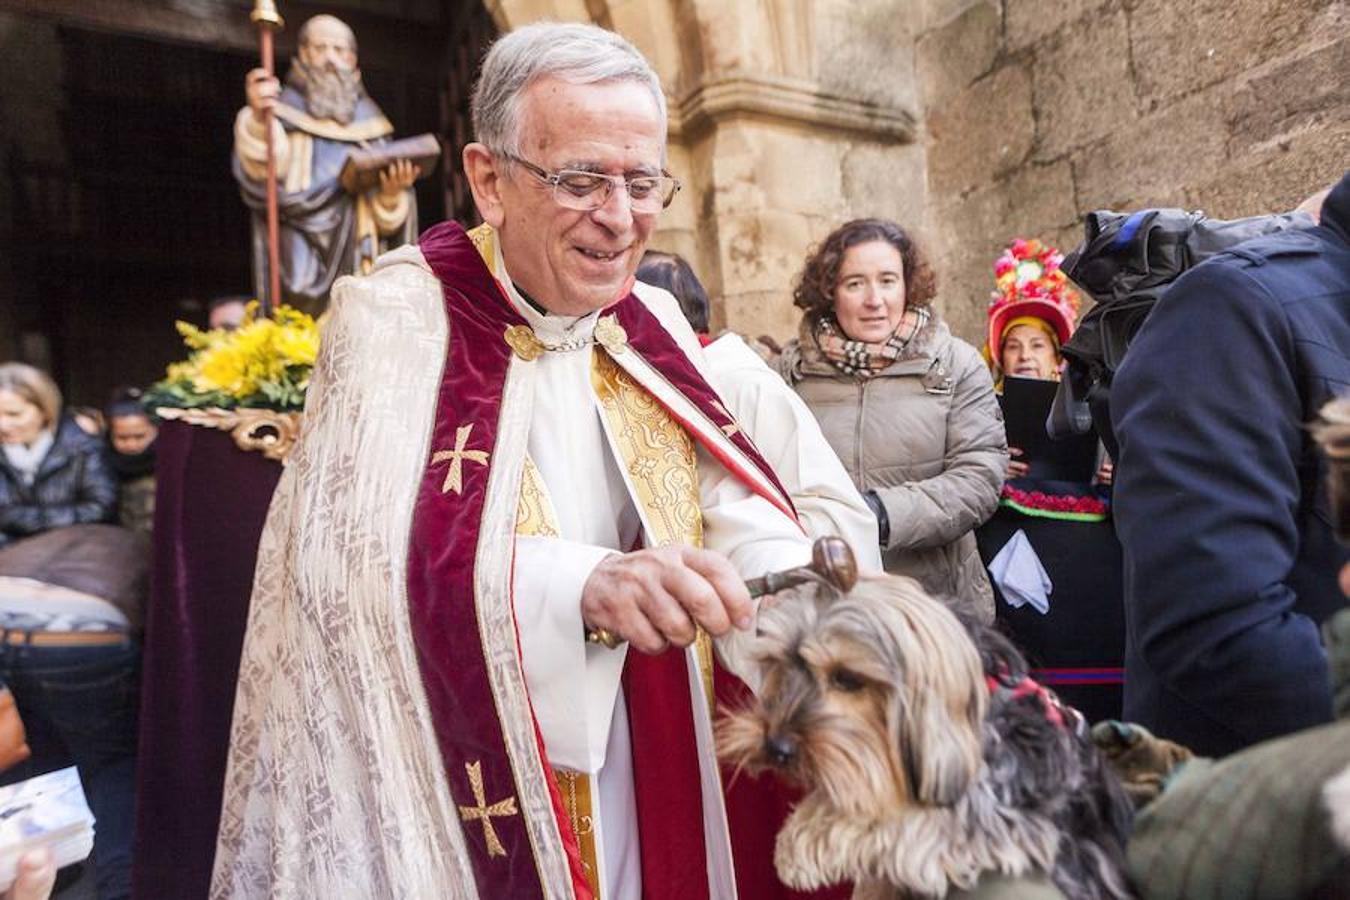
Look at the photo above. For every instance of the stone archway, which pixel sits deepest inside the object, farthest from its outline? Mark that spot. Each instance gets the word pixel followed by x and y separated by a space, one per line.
pixel 786 117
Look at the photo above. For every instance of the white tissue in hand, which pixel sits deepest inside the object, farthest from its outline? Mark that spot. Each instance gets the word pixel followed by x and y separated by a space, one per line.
pixel 1018 572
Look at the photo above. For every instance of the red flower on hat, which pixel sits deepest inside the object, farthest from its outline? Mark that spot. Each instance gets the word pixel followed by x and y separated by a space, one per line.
pixel 1030 283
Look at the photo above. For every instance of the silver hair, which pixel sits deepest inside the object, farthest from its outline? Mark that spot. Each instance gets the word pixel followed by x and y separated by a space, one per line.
pixel 576 54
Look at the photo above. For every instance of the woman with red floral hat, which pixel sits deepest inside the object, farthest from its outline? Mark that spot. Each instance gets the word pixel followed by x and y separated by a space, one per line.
pixel 1051 547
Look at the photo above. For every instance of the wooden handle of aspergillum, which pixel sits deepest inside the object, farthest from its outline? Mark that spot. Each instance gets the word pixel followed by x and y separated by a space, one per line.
pixel 832 561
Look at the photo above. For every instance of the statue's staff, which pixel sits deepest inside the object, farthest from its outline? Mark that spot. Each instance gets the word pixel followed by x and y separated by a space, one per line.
pixel 266 17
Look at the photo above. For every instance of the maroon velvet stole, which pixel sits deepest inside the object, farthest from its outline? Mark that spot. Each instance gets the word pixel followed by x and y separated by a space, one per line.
pixel 451 652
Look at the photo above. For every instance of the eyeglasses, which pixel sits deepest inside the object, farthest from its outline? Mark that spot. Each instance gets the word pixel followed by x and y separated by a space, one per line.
pixel 586 191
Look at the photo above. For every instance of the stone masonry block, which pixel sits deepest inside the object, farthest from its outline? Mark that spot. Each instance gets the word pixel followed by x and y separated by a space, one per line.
pixel 1290 97
pixel 1278 176
pixel 683 212
pixel 1151 162
pixel 515 13
pixel 983 132
pixel 1180 47
pixel 964 284
pixel 732 158
pixel 886 181
pixel 1082 85
pixel 1031 20
pixel 731 38
pixel 763 250
pixel 935 13
pixel 1028 203
pixel 952 56
pixel 1038 198
pixel 865 51
pixel 793 170
pixel 753 313
pixel 683 242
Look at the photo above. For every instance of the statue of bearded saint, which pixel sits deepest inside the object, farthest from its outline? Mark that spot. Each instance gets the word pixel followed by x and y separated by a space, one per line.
pixel 321 114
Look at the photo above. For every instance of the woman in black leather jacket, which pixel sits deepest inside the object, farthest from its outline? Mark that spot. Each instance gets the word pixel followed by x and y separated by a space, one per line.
pixel 52 474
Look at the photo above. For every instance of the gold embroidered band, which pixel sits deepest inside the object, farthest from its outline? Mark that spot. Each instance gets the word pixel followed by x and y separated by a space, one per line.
pixel 658 455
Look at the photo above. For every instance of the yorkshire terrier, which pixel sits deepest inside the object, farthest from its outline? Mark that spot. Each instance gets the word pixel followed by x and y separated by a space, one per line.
pixel 929 756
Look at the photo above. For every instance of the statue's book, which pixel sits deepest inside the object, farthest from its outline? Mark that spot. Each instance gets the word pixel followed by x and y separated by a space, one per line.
pixel 361 171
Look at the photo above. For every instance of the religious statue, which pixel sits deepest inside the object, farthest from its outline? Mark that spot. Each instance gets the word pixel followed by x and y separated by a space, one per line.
pixel 320 116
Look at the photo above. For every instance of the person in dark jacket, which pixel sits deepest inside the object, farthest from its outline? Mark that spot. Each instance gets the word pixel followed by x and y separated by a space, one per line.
pixel 132 435
pixel 1221 508
pixel 52 474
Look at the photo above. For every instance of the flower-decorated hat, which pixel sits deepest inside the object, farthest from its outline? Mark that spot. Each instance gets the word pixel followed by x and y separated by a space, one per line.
pixel 1030 284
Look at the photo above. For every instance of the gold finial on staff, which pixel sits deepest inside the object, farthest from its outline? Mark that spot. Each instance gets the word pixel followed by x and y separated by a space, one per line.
pixel 265 13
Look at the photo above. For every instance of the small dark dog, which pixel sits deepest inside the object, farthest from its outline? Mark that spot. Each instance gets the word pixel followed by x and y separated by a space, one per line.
pixel 930 758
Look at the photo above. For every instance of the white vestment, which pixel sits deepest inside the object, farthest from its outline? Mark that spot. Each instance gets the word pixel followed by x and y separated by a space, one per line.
pixel 336 785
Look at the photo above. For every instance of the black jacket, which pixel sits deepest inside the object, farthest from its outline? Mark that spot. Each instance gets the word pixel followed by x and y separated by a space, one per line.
pixel 1220 500
pixel 74 485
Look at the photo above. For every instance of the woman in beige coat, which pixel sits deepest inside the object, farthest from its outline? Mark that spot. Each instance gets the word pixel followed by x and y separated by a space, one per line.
pixel 909 409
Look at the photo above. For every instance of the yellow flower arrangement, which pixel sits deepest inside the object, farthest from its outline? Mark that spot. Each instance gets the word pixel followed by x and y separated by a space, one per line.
pixel 266 362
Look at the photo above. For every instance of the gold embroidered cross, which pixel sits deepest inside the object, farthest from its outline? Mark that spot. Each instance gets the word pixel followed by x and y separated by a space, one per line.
pixel 454 478
pixel 484 813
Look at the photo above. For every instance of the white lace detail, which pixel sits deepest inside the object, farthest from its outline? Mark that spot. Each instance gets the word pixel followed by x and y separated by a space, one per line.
pixel 336 787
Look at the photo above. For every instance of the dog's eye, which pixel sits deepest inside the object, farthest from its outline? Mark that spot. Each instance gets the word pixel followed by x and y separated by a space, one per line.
pixel 846 681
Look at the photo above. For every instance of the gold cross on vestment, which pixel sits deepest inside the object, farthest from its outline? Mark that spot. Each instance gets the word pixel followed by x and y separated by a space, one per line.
pixel 454 478
pixel 484 813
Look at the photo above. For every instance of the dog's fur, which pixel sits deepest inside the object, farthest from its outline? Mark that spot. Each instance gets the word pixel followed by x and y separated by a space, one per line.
pixel 918 781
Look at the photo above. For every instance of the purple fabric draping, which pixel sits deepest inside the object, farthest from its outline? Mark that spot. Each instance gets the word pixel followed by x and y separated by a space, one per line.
pixel 211 502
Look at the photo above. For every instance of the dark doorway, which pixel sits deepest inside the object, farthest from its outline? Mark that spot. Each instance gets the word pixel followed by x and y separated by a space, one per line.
pixel 121 212
pixel 139 222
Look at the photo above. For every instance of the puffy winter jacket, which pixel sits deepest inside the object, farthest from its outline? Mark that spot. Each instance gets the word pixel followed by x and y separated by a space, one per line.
pixel 74 485
pixel 927 435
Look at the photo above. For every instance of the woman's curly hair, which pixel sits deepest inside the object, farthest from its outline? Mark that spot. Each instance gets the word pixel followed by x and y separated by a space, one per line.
pixel 814 288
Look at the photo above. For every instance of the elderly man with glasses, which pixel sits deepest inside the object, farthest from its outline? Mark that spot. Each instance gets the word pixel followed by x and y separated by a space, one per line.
pixel 479 658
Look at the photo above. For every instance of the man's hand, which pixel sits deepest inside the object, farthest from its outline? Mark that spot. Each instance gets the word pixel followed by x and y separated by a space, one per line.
pixel 654 598
pixel 1016 469
pixel 398 177
pixel 261 90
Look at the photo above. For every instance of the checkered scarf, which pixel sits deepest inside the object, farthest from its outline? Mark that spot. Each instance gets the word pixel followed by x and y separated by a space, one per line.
pixel 861 359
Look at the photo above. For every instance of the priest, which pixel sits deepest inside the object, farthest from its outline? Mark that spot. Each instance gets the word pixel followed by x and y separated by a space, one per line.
pixel 321 114
pixel 510 542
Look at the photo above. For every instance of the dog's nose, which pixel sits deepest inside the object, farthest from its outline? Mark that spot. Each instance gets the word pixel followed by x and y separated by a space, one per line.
pixel 780 750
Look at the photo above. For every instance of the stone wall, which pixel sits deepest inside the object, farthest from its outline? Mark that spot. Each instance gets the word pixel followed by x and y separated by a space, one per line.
pixel 1038 111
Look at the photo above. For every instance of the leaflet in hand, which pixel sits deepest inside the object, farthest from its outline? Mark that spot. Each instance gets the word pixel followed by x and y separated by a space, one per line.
pixel 49 810
pixel 1026 406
